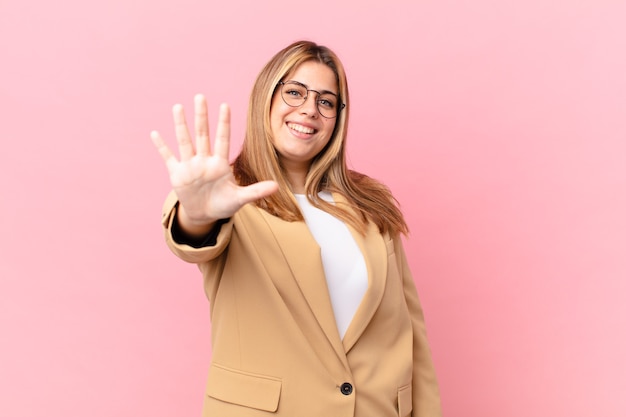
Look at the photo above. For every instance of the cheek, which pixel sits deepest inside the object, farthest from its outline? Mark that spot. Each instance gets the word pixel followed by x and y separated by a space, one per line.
pixel 277 105
pixel 275 121
pixel 330 128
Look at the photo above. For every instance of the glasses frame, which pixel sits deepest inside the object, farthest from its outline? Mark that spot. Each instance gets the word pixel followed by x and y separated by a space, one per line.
pixel 340 105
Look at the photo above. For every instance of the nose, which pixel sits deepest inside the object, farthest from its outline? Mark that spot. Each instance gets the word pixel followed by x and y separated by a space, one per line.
pixel 310 105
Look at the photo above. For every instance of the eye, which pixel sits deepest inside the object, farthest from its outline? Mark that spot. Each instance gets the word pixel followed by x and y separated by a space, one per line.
pixel 327 102
pixel 294 92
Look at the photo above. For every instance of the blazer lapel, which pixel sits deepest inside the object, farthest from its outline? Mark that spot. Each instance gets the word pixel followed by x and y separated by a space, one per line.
pixel 374 251
pixel 308 300
pixel 306 295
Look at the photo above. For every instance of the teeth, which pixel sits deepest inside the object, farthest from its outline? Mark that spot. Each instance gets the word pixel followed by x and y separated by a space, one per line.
pixel 300 128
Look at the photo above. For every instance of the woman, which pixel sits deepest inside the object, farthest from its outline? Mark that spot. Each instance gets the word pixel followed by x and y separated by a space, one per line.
pixel 313 309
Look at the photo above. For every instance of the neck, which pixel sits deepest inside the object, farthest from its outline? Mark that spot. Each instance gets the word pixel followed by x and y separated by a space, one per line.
pixel 296 175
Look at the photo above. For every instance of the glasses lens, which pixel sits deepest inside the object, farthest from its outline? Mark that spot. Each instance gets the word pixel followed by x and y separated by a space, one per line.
pixel 293 94
pixel 327 105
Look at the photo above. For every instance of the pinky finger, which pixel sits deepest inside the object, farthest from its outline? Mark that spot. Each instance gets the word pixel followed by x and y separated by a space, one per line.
pixel 165 152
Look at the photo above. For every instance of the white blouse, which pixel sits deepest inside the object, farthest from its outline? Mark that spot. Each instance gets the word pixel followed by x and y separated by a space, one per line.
pixel 344 265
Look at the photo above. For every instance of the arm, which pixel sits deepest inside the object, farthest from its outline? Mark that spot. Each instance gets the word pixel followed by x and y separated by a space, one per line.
pixel 426 400
pixel 199 250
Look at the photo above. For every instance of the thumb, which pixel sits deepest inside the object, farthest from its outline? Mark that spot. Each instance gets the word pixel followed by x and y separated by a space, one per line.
pixel 257 191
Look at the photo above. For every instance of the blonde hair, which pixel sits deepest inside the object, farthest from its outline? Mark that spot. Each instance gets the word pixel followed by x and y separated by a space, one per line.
pixel 258 160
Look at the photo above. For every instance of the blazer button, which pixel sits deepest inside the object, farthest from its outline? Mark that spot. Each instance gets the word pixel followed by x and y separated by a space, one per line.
pixel 346 388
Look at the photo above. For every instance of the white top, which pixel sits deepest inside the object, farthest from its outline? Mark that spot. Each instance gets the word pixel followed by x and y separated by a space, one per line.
pixel 344 265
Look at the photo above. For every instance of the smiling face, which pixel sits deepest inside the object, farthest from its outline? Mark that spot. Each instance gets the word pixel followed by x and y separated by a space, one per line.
pixel 300 133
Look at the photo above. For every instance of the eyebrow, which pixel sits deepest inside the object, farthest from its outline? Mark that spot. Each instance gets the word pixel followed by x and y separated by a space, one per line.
pixel 307 87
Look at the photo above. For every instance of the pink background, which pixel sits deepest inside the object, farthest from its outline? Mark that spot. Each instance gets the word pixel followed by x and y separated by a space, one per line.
pixel 499 125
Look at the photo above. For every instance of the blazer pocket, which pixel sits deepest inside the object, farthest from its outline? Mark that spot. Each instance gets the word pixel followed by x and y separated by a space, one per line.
pixel 405 400
pixel 244 388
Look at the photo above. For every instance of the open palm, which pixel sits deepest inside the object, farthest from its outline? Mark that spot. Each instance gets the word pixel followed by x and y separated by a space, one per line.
pixel 203 180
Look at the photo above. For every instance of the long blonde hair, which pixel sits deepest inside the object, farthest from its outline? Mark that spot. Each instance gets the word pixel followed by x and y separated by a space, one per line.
pixel 258 160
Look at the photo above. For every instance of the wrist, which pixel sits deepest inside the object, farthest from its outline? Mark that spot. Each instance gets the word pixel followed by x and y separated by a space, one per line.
pixel 191 227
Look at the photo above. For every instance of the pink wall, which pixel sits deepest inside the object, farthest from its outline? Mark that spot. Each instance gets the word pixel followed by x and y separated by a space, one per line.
pixel 499 125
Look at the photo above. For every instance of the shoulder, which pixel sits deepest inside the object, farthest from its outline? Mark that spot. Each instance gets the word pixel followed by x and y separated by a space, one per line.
pixel 366 182
pixel 361 178
pixel 369 187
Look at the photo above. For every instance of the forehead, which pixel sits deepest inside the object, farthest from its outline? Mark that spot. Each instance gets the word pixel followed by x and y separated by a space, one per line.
pixel 314 75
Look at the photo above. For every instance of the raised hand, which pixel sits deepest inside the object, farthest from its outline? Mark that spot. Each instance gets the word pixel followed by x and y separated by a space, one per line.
pixel 203 181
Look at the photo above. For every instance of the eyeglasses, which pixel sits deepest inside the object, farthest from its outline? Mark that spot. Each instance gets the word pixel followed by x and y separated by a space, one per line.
pixel 294 94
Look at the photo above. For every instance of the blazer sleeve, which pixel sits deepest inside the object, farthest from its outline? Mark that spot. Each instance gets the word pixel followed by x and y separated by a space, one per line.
pixel 187 252
pixel 426 399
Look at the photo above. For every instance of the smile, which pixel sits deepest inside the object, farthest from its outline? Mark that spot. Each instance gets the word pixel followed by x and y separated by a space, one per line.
pixel 300 128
